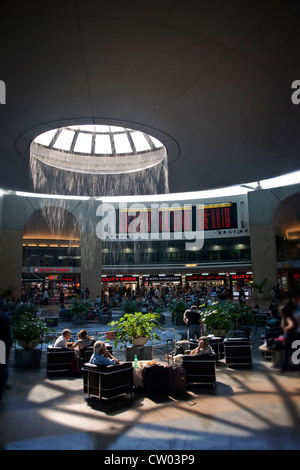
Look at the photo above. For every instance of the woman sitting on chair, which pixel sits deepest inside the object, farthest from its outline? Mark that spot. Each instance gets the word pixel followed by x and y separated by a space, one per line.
pixel 101 356
pixel 202 348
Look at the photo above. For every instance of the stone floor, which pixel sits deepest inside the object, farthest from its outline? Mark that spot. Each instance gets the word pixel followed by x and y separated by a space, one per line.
pixel 252 409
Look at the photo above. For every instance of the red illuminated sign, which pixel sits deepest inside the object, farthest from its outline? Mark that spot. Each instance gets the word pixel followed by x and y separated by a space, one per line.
pixel 236 277
pixel 51 270
pixel 119 279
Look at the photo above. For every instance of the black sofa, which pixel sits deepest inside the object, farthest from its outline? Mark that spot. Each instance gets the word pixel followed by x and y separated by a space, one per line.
pixel 200 369
pixel 107 382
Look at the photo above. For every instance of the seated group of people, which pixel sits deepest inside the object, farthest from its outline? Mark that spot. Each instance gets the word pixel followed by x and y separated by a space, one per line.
pixel 101 356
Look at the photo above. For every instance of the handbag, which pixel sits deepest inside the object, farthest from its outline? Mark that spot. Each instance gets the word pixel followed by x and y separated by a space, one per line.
pixel 75 367
pixel 274 344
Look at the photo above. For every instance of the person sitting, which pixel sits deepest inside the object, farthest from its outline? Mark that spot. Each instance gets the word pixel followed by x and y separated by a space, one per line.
pixel 63 341
pixel 83 342
pixel 202 348
pixel 101 356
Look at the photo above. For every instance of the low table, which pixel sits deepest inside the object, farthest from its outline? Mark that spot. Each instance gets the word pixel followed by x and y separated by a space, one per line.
pixel 277 356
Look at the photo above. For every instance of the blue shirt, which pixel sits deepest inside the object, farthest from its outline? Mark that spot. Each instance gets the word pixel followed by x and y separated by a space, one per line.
pixel 101 360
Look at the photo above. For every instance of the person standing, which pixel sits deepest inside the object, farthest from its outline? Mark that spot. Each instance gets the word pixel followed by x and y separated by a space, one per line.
pixel 6 342
pixel 194 321
pixel 289 326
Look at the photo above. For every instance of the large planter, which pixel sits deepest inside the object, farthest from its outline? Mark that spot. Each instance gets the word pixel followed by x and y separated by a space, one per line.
pixel 28 343
pixel 78 319
pixel 221 333
pixel 140 341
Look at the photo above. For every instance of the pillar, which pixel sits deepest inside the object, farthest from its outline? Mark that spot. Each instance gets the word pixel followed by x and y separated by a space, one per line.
pixel 11 258
pixel 264 258
pixel 91 264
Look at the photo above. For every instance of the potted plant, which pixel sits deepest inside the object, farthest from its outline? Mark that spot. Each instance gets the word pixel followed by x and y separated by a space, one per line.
pixel 27 328
pixel 129 306
pixel 219 318
pixel 177 307
pixel 259 287
pixel 79 309
pixel 135 328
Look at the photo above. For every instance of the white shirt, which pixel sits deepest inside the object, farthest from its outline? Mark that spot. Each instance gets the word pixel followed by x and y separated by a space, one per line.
pixel 61 342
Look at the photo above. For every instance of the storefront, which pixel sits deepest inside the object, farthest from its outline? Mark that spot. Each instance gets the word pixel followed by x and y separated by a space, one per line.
pixel 206 283
pixel 241 280
pixel 60 283
pixel 114 284
pixel 162 280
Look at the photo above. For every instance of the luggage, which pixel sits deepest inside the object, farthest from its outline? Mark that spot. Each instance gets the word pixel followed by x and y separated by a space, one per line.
pixel 175 377
pixel 154 379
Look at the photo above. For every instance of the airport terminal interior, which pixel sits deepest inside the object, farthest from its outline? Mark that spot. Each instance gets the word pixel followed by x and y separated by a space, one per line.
pixel 149 162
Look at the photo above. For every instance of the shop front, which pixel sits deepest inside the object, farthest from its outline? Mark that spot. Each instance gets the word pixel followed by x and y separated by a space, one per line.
pixel 115 284
pixel 60 284
pixel 169 281
pixel 238 281
pixel 206 284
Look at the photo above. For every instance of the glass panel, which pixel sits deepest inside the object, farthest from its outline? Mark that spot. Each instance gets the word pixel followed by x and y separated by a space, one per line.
pixel 102 128
pixel 64 140
pixel 116 129
pixel 103 144
pixel 156 142
pixel 122 143
pixel 45 139
pixel 83 143
pixel 140 141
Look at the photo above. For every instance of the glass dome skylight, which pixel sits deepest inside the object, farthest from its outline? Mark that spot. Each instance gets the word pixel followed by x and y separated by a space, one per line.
pixel 98 149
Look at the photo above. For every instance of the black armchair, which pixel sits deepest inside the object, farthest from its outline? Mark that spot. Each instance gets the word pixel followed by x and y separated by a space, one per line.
pixel 238 351
pixel 107 382
pixel 200 369
pixel 58 359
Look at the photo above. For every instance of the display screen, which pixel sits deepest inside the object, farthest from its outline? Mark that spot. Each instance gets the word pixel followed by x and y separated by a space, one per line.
pixel 179 219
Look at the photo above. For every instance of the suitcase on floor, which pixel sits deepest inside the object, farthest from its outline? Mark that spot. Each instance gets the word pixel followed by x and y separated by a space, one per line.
pixel 154 379
pixel 175 377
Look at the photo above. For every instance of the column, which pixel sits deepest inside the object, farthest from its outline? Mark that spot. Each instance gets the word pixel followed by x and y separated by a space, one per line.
pixel 91 264
pixel 11 257
pixel 264 258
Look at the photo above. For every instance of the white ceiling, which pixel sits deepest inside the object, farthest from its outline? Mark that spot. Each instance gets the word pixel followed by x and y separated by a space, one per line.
pixel 211 80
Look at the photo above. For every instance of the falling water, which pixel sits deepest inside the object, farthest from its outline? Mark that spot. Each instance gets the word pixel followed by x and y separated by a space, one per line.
pixel 48 179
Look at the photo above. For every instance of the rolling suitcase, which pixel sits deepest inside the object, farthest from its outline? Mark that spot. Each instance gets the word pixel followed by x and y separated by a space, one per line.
pixel 154 380
pixel 175 377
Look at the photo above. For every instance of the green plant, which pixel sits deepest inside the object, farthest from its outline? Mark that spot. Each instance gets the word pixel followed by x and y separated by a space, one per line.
pixel 217 316
pixel 129 306
pixel 80 307
pixel 226 316
pixel 259 286
pixel 26 324
pixel 178 307
pixel 132 326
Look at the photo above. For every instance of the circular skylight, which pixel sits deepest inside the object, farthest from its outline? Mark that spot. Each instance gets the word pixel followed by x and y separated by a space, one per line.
pixel 98 149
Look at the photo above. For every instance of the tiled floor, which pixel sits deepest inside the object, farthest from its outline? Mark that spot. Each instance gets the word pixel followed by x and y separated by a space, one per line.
pixel 251 409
